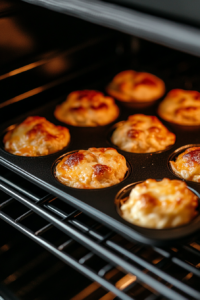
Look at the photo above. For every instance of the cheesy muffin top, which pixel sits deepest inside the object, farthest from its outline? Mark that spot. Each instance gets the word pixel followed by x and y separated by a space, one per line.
pixel 160 204
pixel 87 108
pixel 135 86
pixel 181 107
pixel 187 164
pixel 91 169
pixel 36 136
pixel 142 134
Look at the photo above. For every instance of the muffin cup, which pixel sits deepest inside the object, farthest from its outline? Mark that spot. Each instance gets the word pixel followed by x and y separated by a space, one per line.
pixel 175 154
pixel 58 160
pixel 11 127
pixel 123 195
pixel 112 129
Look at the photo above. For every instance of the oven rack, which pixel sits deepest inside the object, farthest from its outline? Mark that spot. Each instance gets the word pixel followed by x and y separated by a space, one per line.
pixel 160 30
pixel 37 274
pixel 172 273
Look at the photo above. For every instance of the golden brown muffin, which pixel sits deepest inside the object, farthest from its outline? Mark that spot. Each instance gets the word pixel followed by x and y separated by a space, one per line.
pixel 181 107
pixel 94 168
pixel 160 204
pixel 136 86
pixel 87 108
pixel 36 136
pixel 187 164
pixel 142 134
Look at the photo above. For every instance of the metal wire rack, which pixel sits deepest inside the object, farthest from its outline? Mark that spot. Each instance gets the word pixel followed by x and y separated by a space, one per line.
pixel 142 272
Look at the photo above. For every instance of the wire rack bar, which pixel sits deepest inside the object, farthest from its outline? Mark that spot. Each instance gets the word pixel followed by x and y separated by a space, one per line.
pixel 66 258
pixel 109 256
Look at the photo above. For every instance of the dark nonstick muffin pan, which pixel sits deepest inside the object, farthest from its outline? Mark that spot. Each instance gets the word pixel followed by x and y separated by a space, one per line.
pixel 100 203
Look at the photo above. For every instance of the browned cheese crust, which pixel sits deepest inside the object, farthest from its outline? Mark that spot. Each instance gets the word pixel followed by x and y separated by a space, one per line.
pixel 36 136
pixel 135 86
pixel 87 108
pixel 181 107
pixel 164 204
pixel 187 164
pixel 142 134
pixel 91 169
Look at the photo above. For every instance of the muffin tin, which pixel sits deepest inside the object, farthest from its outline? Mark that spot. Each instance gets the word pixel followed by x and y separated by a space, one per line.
pixel 100 203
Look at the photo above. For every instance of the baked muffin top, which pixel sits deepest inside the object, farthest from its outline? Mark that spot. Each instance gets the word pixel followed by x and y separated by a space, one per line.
pixel 187 164
pixel 142 134
pixel 181 107
pixel 87 108
pixel 91 169
pixel 36 136
pixel 160 204
pixel 135 86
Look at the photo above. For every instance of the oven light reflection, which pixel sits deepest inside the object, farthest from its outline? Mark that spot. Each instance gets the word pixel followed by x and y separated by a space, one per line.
pixel 121 285
pixel 4 248
pixel 22 96
pixel 125 281
pixel 22 69
pixel 195 245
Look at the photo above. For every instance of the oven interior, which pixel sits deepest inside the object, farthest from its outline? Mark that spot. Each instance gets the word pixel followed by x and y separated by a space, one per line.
pixel 43 261
pixel 35 255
